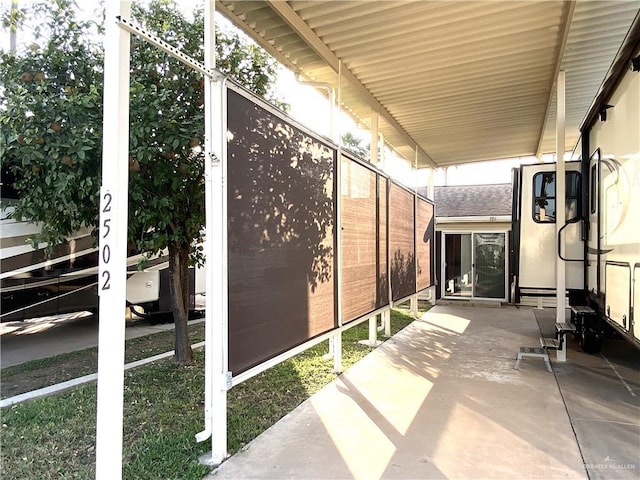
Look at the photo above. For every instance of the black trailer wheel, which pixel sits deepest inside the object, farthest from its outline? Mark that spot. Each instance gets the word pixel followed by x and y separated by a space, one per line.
pixel 589 341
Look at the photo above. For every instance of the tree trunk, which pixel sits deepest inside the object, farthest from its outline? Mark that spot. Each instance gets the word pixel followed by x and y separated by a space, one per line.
pixel 179 291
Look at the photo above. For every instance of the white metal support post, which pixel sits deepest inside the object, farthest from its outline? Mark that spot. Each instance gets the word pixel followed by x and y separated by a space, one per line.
pixel 373 148
pixel 386 314
pixel 373 159
pixel 372 340
pixel 382 161
pixel 413 302
pixel 414 167
pixel 386 319
pixel 217 311
pixel 337 338
pixel 209 18
pixel 373 331
pixel 560 197
pixel 329 354
pixel 432 174
pixel 217 378
pixel 113 217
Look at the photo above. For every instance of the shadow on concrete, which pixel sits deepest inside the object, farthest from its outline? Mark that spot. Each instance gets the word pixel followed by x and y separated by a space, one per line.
pixel 441 399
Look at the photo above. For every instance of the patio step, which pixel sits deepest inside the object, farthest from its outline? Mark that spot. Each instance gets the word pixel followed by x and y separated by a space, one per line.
pixel 549 343
pixel 536 352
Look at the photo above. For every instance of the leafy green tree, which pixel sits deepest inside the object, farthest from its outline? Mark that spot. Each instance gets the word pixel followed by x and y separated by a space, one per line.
pixel 51 121
pixel 354 145
pixel 51 116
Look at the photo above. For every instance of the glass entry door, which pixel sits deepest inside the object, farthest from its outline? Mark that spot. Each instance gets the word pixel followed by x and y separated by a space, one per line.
pixel 489 265
pixel 458 265
pixel 475 265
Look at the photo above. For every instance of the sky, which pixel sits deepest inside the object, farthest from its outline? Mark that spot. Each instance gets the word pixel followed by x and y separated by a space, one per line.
pixel 311 108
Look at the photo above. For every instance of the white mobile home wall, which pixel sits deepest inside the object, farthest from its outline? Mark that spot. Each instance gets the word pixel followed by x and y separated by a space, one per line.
pixel 613 249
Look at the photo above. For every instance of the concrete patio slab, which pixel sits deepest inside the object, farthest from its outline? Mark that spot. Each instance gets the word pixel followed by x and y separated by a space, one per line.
pixel 441 399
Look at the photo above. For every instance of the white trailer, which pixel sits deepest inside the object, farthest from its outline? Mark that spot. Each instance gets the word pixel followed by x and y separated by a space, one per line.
pixel 611 160
pixel 535 245
pixel 602 229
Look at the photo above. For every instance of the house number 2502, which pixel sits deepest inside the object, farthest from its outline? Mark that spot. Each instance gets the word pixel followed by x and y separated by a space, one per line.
pixel 105 240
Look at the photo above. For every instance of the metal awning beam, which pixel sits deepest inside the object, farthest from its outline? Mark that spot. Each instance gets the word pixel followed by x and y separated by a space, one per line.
pixel 308 35
pixel 571 6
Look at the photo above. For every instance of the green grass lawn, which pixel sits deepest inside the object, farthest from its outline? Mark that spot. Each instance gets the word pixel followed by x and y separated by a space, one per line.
pixel 66 366
pixel 54 437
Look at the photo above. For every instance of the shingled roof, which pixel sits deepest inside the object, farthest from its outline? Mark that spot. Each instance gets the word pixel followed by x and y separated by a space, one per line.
pixel 473 200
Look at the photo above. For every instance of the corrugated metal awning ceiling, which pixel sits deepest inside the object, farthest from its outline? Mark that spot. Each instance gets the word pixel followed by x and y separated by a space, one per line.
pixel 460 81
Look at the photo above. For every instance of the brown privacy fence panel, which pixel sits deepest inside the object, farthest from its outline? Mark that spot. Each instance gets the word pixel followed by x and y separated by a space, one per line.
pixel 281 234
pixel 402 242
pixel 363 242
pixel 281 216
pixel 425 230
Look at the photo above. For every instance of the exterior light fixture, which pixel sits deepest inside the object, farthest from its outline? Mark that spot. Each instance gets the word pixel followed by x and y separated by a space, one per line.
pixel 603 112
